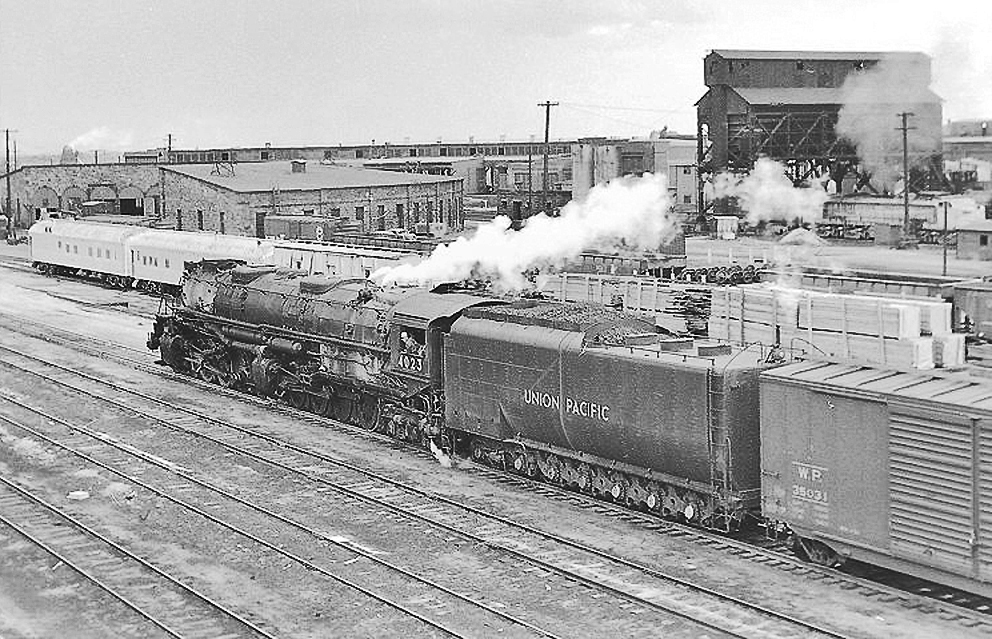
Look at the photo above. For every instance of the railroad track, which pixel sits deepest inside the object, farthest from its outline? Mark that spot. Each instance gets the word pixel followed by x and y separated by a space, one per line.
pixel 645 598
pixel 951 605
pixel 167 606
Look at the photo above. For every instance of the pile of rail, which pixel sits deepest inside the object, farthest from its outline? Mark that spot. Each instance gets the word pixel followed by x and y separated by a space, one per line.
pixel 875 330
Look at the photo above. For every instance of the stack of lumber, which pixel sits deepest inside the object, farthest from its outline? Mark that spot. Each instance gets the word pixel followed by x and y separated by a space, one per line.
pixel 881 331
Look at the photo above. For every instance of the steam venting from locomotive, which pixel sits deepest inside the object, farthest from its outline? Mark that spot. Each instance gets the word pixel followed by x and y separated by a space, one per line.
pixel 766 194
pixel 868 117
pixel 632 212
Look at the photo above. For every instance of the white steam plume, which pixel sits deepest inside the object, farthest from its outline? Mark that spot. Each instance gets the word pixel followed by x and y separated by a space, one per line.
pixel 869 116
pixel 627 211
pixel 766 194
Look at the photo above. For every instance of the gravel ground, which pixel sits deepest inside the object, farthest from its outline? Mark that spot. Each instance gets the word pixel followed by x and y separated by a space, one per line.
pixel 32 604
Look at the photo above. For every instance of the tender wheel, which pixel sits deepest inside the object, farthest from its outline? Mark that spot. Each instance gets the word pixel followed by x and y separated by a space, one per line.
pixel 319 402
pixel 298 399
pixel 550 467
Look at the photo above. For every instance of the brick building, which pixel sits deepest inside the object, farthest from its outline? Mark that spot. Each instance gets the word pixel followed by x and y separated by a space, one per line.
pixel 237 200
pixel 130 189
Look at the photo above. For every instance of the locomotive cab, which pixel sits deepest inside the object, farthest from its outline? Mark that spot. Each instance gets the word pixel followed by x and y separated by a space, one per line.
pixel 418 324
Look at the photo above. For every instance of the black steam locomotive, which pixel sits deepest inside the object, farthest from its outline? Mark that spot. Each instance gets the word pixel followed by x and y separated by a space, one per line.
pixel 581 396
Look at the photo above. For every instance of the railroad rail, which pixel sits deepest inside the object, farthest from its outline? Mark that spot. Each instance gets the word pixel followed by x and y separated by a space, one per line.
pixel 952 605
pixel 639 589
pixel 162 600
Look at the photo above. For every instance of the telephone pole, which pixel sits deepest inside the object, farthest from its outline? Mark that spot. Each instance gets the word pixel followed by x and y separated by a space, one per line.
pixel 7 210
pixel 905 175
pixel 547 130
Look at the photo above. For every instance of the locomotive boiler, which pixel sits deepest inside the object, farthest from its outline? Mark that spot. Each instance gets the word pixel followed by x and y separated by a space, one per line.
pixel 332 345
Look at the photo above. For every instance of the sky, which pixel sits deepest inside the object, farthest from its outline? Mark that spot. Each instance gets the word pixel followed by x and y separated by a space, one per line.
pixel 123 74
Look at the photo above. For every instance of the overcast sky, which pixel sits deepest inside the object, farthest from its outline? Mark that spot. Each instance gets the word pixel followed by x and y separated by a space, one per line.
pixel 123 74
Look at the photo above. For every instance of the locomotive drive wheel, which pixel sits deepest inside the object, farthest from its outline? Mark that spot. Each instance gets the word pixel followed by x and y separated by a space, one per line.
pixel 368 412
pixel 205 372
pixel 319 402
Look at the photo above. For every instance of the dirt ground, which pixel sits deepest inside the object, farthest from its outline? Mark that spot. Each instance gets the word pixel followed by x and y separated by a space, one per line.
pixel 32 605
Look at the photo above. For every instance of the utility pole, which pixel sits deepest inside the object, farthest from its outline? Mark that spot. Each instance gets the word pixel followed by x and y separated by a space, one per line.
pixel 530 177
pixel 168 149
pixel 7 210
pixel 905 176
pixel 943 238
pixel 547 130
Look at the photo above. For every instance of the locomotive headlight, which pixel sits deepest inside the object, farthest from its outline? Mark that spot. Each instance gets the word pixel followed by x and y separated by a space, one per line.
pixel 689 511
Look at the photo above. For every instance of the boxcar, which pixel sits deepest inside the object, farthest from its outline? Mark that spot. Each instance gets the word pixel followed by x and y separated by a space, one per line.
pixel 67 246
pixel 891 468
pixel 672 431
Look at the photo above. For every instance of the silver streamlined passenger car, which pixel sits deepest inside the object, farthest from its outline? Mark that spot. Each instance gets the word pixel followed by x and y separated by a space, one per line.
pixel 158 256
pixel 93 249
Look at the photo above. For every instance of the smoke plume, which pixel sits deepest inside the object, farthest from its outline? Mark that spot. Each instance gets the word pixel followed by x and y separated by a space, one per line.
pixel 766 194
pixel 869 118
pixel 632 212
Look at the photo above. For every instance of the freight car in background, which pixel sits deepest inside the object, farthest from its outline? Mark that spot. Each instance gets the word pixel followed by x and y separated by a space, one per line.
pixel 855 218
pixel 890 468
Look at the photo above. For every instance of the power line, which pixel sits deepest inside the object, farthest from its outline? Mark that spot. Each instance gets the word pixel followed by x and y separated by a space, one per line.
pixel 619 108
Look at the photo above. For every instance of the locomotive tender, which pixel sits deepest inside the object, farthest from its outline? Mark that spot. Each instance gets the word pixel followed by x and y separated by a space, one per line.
pixel 581 396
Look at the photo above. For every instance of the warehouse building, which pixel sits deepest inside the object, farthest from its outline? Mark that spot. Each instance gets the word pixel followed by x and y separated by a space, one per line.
pixel 237 198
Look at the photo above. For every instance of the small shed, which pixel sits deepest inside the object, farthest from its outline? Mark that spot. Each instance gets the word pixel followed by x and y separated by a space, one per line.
pixel 975 241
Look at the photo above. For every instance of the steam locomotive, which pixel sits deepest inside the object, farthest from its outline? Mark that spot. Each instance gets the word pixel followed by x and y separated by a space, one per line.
pixel 580 395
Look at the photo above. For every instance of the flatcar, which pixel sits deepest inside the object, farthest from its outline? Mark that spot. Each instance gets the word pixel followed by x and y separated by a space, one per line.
pixel 890 468
pixel 856 217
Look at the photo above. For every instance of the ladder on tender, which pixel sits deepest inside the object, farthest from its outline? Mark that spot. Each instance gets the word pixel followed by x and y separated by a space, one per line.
pixel 716 432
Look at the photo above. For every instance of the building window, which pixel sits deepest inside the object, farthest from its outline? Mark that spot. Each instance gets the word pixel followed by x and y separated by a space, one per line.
pixel 179 219
pixel 221 215
pixel 89 251
pixel 359 154
pixel 444 151
pixel 429 211
pixel 380 212
pixel 400 222
pixel 359 213
pixel 416 212
pixel 686 199
pixel 686 170
pixel 983 240
pixel 264 155
pixel 199 220
pixel 336 211
pixel 413 153
pixel 225 156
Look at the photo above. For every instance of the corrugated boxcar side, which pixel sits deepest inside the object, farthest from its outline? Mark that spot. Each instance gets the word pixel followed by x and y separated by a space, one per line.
pixel 824 462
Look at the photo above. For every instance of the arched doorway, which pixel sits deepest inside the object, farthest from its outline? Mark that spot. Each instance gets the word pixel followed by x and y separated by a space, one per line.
pixel 73 198
pixel 44 198
pixel 131 201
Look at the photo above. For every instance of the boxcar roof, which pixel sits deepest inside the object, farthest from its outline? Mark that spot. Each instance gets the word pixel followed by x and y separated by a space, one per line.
pixel 951 389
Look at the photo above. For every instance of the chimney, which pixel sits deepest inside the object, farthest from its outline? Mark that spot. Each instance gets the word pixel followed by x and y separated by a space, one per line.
pixel 299 166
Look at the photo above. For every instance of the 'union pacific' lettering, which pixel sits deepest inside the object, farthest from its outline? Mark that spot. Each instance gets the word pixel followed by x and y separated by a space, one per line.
pixel 582 408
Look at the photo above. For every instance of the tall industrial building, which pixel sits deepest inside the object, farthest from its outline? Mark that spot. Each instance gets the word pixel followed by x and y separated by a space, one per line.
pixel 786 105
